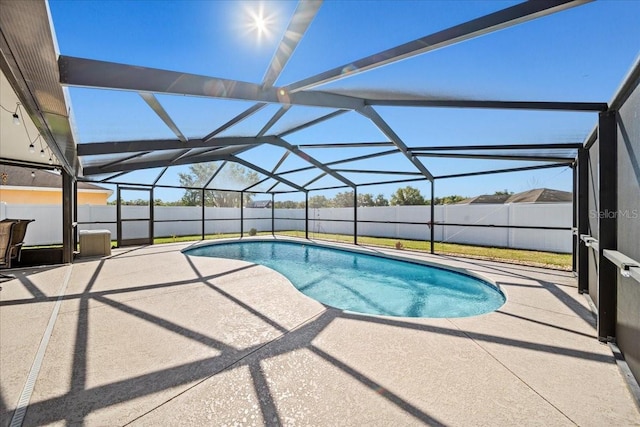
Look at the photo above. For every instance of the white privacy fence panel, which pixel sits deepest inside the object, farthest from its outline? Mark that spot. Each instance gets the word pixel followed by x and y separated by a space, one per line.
pixel 290 219
pixel 134 230
pixel 258 218
pixel 47 228
pixel 187 220
pixel 222 220
pixel 330 220
pixel 474 215
pixel 104 218
pixel 136 212
pixel 176 220
pixel 547 215
pixel 391 215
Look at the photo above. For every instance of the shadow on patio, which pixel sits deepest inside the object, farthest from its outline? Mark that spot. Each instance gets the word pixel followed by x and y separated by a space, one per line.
pixel 325 339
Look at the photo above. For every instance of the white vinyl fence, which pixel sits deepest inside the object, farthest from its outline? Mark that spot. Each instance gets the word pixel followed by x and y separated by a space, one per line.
pixel 177 221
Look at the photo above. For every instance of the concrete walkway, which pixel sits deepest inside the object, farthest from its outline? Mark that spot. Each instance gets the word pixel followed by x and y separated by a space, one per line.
pixel 152 337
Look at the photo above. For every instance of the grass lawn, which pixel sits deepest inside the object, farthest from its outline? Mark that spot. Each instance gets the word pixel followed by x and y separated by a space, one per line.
pixel 520 256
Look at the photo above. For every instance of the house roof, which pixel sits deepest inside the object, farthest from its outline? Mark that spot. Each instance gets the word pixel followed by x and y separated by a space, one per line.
pixel 541 195
pixel 21 177
pixel 486 199
pixel 538 195
pixel 259 204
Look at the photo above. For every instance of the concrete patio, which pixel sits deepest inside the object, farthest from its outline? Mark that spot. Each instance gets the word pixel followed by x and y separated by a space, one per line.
pixel 149 336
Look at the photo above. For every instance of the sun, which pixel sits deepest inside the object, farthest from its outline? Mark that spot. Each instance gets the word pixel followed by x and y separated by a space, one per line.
pixel 258 20
pixel 260 24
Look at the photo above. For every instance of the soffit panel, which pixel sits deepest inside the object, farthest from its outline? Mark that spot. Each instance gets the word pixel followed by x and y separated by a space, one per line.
pixel 29 62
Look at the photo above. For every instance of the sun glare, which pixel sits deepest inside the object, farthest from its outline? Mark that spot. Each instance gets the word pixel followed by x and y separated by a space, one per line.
pixel 260 24
pixel 258 21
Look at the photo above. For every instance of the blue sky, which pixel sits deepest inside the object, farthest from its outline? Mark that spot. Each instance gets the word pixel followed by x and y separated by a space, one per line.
pixel 581 54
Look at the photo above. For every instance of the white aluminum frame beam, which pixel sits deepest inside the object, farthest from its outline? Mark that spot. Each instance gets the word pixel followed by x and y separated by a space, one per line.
pixel 90 73
pixel 373 115
pixel 155 105
pixel 298 26
pixel 477 27
pixel 115 147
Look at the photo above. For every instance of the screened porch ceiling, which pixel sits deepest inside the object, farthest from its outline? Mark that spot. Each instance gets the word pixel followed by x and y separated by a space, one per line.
pixel 309 117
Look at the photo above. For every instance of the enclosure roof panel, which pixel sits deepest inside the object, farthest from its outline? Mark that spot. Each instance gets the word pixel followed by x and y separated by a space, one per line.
pixel 319 88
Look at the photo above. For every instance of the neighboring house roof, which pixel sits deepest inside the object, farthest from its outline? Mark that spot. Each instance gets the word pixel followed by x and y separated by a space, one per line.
pixel 259 204
pixel 14 176
pixel 485 199
pixel 538 195
pixel 541 195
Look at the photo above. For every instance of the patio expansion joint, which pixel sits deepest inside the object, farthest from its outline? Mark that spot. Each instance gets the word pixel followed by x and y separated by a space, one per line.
pixel 511 371
pixel 591 323
pixel 230 365
pixel 32 377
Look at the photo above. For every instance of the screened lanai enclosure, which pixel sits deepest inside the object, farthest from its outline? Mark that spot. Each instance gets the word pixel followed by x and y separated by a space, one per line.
pixel 436 96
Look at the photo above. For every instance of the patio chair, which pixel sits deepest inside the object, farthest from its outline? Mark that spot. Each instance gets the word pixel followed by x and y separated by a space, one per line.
pixel 7 228
pixel 14 250
pixel 17 240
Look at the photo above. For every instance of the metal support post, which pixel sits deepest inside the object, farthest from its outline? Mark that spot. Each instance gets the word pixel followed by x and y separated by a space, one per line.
pixel 273 215
pixel 67 217
pixel 433 210
pixel 607 225
pixel 242 214
pixel 306 215
pixel 75 215
pixel 118 217
pixel 574 217
pixel 151 216
pixel 583 220
pixel 355 215
pixel 203 213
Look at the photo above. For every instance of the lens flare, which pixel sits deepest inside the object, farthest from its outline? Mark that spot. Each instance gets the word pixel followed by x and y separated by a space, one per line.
pixel 259 21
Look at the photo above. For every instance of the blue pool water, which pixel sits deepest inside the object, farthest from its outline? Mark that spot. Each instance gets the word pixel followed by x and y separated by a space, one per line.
pixel 366 283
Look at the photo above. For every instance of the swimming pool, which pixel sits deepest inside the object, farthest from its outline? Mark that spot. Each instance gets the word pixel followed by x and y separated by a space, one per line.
pixel 366 283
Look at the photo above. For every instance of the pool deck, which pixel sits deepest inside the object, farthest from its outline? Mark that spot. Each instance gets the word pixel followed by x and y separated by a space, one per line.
pixel 149 336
